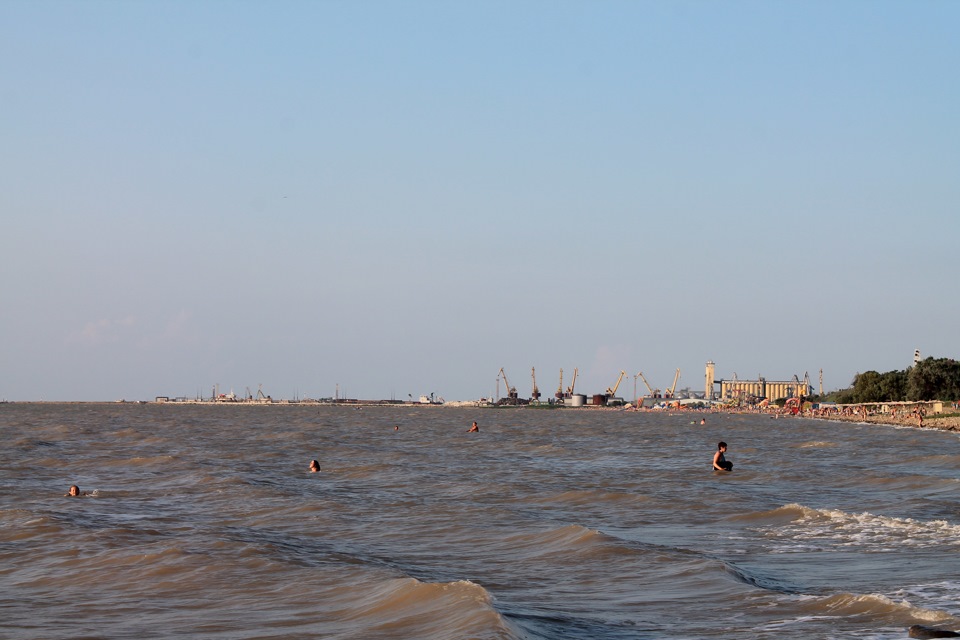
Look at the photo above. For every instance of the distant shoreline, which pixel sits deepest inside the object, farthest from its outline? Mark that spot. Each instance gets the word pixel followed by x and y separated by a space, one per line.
pixel 947 422
pixel 468 404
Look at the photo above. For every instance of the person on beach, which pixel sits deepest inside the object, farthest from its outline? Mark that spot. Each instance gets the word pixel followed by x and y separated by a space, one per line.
pixel 474 428
pixel 719 462
pixel 314 466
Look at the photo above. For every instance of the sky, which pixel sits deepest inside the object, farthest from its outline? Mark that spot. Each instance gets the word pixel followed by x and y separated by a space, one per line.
pixel 382 200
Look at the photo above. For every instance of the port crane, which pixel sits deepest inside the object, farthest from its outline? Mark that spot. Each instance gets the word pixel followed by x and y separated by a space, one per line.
pixel 535 394
pixel 670 391
pixel 653 394
pixel 511 391
pixel 559 394
pixel 613 391
pixel 569 393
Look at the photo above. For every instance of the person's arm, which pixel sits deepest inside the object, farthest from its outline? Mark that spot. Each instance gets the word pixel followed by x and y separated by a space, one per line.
pixel 715 465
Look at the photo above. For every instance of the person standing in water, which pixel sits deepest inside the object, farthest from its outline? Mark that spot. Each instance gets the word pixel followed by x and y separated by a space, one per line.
pixel 474 428
pixel 719 462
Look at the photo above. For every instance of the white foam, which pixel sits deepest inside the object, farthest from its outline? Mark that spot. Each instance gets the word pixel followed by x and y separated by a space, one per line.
pixel 943 596
pixel 818 529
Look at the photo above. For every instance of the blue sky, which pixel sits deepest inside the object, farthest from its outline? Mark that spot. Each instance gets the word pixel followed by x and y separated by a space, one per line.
pixel 403 197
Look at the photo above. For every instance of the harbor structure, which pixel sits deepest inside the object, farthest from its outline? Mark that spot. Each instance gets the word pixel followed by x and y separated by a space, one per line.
pixel 711 376
pixel 757 389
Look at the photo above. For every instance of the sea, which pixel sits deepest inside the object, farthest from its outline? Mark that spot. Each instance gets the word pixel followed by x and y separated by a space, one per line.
pixel 203 521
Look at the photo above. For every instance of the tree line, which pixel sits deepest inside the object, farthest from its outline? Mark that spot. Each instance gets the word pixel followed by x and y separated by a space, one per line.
pixel 930 379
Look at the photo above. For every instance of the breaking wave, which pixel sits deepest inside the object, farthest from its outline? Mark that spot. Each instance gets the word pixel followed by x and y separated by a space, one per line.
pixel 795 527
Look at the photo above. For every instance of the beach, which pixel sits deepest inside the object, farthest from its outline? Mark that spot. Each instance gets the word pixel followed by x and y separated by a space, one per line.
pixel 949 420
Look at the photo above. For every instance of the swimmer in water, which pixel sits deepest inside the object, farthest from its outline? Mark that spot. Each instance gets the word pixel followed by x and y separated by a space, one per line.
pixel 474 428
pixel 396 428
pixel 74 492
pixel 719 462
pixel 314 466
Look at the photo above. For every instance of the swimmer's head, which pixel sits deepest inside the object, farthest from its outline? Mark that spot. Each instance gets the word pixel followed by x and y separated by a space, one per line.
pixel 721 445
pixel 74 491
pixel 314 466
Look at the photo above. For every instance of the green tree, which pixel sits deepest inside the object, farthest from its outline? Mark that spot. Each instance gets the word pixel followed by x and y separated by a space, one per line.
pixel 934 379
pixel 866 387
pixel 871 386
pixel 893 386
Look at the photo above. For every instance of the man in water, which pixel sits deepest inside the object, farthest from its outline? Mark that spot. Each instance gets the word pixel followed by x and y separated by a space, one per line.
pixel 719 462
pixel 314 466
pixel 474 428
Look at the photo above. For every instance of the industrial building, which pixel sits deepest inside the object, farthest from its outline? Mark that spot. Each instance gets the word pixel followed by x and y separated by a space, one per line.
pixel 753 390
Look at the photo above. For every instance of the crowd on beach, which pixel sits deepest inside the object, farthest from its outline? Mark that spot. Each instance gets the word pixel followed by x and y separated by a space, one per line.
pixel 933 415
pixel 906 415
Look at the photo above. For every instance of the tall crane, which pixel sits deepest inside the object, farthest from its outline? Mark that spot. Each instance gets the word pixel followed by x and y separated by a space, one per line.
pixel 559 394
pixel 647 385
pixel 613 391
pixel 676 377
pixel 535 395
pixel 511 391
pixel 569 392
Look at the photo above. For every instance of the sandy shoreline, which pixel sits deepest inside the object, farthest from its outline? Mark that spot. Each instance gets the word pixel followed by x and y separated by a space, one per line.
pixel 948 422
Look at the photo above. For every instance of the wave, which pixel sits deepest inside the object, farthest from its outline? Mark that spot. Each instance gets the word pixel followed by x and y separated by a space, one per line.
pixel 409 608
pixel 565 539
pixel 786 513
pixel 796 527
pixel 759 580
pixel 873 605
pixel 943 595
pixel 874 609
pixel 622 558
pixel 818 444
pixel 875 615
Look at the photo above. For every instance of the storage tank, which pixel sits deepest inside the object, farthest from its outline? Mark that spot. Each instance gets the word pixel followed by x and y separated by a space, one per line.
pixel 577 400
